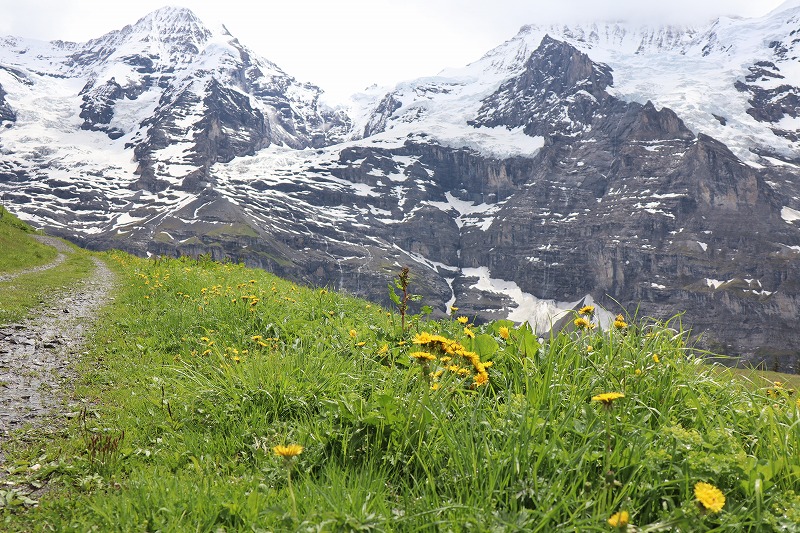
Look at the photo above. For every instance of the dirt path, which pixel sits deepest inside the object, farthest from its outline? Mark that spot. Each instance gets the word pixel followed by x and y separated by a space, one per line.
pixel 58 244
pixel 36 354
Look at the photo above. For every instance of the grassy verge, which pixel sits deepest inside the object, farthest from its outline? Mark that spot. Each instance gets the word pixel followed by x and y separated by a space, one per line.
pixel 20 251
pixel 201 370
pixel 25 292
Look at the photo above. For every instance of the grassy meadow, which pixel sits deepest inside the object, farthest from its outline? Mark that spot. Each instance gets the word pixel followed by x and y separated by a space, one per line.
pixel 219 398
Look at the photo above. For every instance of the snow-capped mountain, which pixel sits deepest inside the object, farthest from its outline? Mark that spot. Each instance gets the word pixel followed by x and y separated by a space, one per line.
pixel 654 168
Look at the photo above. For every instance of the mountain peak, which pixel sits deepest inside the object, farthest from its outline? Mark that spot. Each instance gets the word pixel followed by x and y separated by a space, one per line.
pixel 175 24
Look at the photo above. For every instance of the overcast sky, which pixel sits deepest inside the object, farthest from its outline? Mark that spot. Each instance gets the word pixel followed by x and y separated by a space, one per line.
pixel 345 45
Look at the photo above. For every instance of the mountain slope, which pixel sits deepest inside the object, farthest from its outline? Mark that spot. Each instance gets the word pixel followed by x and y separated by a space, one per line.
pixel 652 168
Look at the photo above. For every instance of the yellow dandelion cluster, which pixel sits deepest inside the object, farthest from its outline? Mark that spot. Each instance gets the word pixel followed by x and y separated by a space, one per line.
pixel 450 348
pixel 619 322
pixel 620 519
pixel 709 496
pixel 290 450
pixel 607 398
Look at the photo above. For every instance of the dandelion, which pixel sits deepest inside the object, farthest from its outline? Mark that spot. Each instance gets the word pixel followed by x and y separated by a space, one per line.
pixel 709 496
pixel 453 308
pixel 462 320
pixel 288 451
pixel 504 333
pixel 583 323
pixel 384 349
pixel 256 338
pixel 422 356
pixel 619 519
pixel 638 371
pixel 607 398
pixel 656 359
pixel 587 310
pixel 589 348
pixel 619 322
pixel 469 333
pixel 436 386
pixel 353 333
pixel 481 378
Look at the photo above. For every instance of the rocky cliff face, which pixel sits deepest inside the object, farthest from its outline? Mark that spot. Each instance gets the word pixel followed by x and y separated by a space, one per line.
pixel 529 182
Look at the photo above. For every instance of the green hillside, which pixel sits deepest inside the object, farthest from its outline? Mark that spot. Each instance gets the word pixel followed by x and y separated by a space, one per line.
pixel 19 249
pixel 219 398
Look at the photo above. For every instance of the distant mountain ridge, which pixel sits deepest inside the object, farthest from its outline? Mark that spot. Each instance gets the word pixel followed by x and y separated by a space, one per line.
pixel 651 168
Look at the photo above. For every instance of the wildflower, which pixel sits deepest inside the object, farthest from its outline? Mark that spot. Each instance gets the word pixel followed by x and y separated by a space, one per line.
pixel 504 333
pixel 453 308
pixel 619 519
pixel 709 496
pixel 384 349
pixel 656 359
pixel 583 323
pixel 256 338
pixel 353 333
pixel 469 333
pixel 422 356
pixel 638 372
pixel 436 386
pixel 587 310
pixel 462 320
pixel 291 450
pixel 445 359
pixel 362 343
pixel 422 338
pixel 607 398
pixel 619 322
pixel 481 378
pixel 589 349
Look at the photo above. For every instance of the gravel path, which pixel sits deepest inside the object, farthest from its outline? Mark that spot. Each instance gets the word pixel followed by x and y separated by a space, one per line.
pixel 36 354
pixel 61 246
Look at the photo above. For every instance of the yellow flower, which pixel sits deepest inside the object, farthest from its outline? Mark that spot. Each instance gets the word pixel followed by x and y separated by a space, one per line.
pixel 619 322
pixel 619 519
pixel 362 343
pixel 353 333
pixel 435 386
pixel 422 356
pixel 504 333
pixel 256 338
pixel 587 310
pixel 422 338
pixel 709 496
pixel 481 378
pixel 638 372
pixel 453 308
pixel 291 450
pixel 589 348
pixel 384 349
pixel 462 320
pixel 582 323
pixel 469 333
pixel 607 398
pixel 655 358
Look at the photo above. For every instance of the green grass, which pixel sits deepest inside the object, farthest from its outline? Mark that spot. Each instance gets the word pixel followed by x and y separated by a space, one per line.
pixel 20 251
pixel 199 369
